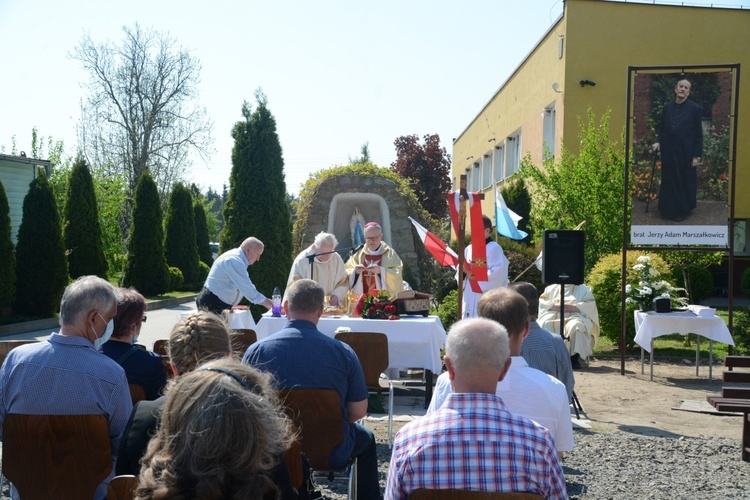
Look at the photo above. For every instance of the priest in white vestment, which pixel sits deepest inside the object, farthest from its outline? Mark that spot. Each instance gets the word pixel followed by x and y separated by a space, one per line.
pixel 376 265
pixel 581 317
pixel 327 270
pixel 497 272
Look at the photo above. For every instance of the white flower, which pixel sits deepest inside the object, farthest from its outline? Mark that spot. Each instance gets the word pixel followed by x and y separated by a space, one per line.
pixel 647 291
pixel 653 272
pixel 628 288
pixel 639 267
pixel 643 283
pixel 644 259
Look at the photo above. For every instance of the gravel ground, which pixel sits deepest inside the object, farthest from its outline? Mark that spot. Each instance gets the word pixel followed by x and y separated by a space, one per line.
pixel 630 466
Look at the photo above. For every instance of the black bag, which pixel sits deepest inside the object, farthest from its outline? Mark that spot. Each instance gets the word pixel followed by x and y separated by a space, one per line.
pixel 309 490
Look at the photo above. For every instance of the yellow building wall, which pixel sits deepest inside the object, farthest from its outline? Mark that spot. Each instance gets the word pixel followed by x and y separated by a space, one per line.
pixel 601 39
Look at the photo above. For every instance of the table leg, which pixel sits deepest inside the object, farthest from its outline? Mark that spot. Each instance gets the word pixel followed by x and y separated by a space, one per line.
pixel 641 360
pixel 427 387
pixel 710 360
pixel 697 352
pixel 652 360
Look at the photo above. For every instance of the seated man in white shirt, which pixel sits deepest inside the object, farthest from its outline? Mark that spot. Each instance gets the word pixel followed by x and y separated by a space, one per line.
pixel 525 391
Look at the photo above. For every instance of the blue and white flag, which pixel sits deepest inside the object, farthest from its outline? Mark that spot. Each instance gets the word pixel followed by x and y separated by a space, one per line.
pixel 506 220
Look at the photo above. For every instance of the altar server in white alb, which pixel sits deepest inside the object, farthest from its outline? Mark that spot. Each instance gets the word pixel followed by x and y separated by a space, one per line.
pixel 497 272
pixel 320 263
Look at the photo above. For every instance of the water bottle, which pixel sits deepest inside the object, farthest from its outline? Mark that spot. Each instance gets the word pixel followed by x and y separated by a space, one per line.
pixel 276 299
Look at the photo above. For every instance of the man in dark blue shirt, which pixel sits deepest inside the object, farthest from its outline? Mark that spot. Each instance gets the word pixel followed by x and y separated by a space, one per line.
pixel 300 356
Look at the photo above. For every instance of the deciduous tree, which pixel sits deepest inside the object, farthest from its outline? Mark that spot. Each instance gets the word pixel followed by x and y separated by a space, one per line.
pixel 141 112
pixel 428 165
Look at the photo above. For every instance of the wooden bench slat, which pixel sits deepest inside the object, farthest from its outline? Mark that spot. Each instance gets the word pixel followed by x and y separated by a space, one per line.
pixel 735 392
pixel 737 361
pixel 741 377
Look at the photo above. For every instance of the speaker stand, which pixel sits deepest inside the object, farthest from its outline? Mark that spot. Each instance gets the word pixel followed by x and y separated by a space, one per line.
pixel 574 399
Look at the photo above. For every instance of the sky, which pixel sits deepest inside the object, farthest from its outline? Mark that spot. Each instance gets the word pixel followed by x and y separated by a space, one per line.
pixel 337 73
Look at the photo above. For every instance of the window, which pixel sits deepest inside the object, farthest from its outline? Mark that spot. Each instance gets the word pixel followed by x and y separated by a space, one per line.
pixel 477 178
pixel 487 170
pixel 548 132
pixel 499 161
pixel 468 179
pixel 514 154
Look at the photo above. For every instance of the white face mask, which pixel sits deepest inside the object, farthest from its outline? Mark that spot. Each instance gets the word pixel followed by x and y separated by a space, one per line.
pixel 99 341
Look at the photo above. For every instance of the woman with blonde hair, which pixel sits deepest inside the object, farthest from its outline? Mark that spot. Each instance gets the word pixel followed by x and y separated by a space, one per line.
pixel 221 434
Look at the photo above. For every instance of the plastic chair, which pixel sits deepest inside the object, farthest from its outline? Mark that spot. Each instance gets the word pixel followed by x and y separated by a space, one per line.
pixel 56 456
pixel 372 350
pixel 122 488
pixel 137 393
pixel 8 345
pixel 242 339
pixel 423 494
pixel 318 416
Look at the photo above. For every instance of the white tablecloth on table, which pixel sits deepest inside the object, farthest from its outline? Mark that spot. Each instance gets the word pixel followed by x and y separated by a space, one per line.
pixel 238 320
pixel 649 325
pixel 413 341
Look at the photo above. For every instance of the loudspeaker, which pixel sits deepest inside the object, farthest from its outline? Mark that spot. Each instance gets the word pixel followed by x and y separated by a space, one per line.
pixel 563 257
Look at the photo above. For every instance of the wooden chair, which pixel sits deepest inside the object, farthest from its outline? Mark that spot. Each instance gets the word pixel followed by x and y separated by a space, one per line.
pixel 165 361
pixel 137 393
pixel 242 339
pixel 8 345
pixel 423 494
pixel 318 415
pixel 56 456
pixel 293 459
pixel 160 346
pixel 372 350
pixel 122 488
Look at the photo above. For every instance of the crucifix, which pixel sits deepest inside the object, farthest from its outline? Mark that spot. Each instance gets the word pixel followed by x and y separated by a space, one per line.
pixel 461 236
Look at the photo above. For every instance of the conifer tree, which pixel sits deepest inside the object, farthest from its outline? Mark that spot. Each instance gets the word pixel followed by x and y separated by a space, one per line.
pixel 7 258
pixel 202 240
pixel 83 233
pixel 146 268
pixel 179 245
pixel 256 204
pixel 41 266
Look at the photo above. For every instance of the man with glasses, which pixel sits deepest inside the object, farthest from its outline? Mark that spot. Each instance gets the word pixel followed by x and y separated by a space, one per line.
pixel 376 265
pixel 65 375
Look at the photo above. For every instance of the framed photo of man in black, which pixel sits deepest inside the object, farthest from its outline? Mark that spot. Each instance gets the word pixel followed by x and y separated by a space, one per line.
pixel 680 138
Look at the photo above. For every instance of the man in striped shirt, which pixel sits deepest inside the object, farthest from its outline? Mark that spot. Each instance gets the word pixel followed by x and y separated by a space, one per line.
pixel 473 442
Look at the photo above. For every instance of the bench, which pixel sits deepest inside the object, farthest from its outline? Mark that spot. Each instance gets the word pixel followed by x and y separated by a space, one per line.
pixel 736 399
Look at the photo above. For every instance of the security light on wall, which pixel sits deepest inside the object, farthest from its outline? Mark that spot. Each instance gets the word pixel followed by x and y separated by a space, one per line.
pixel 587 82
pixel 556 86
pixel 490 140
pixel 469 157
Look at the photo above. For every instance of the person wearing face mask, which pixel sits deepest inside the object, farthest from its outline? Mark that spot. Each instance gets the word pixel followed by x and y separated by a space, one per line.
pixel 142 367
pixel 65 375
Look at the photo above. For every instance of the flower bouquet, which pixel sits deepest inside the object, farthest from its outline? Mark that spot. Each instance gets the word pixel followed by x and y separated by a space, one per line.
pixel 650 286
pixel 375 305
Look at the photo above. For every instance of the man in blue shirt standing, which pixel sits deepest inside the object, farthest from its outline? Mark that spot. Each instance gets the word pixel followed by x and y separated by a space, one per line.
pixel 300 356
pixel 228 280
pixel 65 375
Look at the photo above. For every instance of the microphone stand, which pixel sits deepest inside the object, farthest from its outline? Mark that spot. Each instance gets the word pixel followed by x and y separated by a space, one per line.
pixel 311 257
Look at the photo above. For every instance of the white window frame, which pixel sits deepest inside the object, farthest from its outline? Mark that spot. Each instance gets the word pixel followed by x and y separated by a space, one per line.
pixel 487 170
pixel 513 161
pixel 499 162
pixel 548 132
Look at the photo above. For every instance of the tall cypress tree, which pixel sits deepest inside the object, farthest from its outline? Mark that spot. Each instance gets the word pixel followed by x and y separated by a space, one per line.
pixel 202 240
pixel 256 205
pixel 83 233
pixel 146 267
pixel 179 245
pixel 41 266
pixel 7 258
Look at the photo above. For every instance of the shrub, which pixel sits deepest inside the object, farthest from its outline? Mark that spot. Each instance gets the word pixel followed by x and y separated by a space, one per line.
pixel 202 240
pixel 701 282
pixel 180 247
pixel 176 280
pixel 203 271
pixel 82 231
pixel 741 328
pixel 745 282
pixel 520 257
pixel 606 283
pixel 447 310
pixel 7 259
pixel 41 266
pixel 146 268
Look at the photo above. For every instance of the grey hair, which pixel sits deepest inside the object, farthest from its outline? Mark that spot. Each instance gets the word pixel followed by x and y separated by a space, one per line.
pixel 83 295
pixel 251 242
pixel 305 296
pixel 325 239
pixel 477 343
